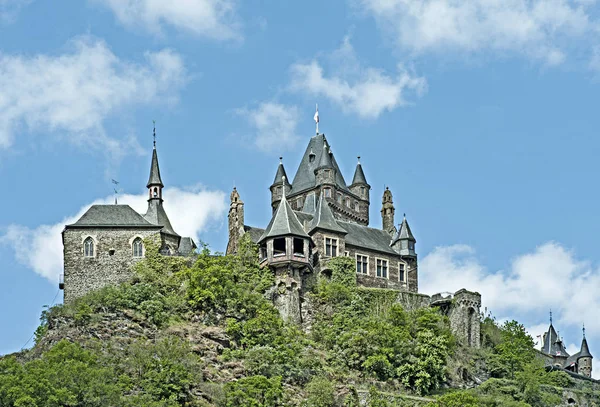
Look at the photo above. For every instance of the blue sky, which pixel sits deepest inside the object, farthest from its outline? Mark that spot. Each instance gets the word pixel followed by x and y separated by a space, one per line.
pixel 481 117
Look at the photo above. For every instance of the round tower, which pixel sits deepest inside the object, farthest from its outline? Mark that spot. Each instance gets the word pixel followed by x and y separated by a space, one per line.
pixel 387 212
pixel 584 360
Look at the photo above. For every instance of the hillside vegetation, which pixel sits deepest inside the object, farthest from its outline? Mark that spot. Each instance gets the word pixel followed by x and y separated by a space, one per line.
pixel 205 334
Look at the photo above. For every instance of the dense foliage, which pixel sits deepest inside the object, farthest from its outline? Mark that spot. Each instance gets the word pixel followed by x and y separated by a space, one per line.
pixel 361 341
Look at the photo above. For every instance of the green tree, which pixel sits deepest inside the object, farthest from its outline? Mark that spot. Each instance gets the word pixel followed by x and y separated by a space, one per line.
pixel 515 350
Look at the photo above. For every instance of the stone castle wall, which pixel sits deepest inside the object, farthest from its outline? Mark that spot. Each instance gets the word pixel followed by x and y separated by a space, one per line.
pixel 111 263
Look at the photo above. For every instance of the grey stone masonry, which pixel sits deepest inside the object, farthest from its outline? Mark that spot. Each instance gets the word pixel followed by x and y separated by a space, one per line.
pixel 111 260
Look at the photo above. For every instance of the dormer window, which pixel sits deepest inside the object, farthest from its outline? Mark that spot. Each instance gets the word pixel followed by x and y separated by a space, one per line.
pixel 138 247
pixel 88 247
pixel 327 192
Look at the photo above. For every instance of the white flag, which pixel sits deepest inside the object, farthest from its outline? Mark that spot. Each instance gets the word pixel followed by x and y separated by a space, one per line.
pixel 316 118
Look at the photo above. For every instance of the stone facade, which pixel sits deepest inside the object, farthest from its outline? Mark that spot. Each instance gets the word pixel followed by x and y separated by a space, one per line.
pixel 103 245
pixel 110 264
pixel 332 218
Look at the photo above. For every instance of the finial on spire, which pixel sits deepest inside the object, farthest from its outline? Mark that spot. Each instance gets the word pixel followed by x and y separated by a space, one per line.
pixel 115 189
pixel 316 118
pixel 584 331
pixel 358 159
pixel 404 216
pixel 154 132
pixel 280 160
pixel 550 316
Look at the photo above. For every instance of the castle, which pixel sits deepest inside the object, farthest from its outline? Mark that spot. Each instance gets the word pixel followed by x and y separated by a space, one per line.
pixel 318 216
pixel 555 354
pixel 102 246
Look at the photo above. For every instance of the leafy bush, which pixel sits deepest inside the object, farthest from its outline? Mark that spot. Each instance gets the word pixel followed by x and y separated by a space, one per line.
pixel 320 393
pixel 254 391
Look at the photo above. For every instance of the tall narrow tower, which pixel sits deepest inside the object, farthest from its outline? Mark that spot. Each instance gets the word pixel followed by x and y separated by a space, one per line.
pixel 387 212
pixel 236 221
pixel 584 361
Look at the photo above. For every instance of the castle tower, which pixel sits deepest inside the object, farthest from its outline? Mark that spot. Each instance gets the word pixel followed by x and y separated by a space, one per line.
pixel 584 361
pixel 286 249
pixel 464 317
pixel 325 173
pixel 156 214
pixel 387 212
pixel 236 221
pixel 361 188
pixel 404 244
pixel 279 186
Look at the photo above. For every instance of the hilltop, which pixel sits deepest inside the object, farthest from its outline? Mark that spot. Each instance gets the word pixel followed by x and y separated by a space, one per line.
pixel 204 332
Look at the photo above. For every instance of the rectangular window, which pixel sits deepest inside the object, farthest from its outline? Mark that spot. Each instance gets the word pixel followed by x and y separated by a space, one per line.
pixel 327 192
pixel 382 268
pixel 298 247
pixel 362 264
pixel 339 198
pixel 279 247
pixel 402 272
pixel 331 247
pixel 346 253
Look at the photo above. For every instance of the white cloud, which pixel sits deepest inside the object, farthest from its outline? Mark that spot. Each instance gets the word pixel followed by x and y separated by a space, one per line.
pixel 210 18
pixel 274 126
pixel 550 277
pixel 75 92
pixel 541 29
pixel 191 211
pixel 366 92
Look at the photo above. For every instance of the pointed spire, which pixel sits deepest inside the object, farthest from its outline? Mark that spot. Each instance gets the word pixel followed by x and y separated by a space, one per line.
pixel 324 218
pixel 284 222
pixel 405 233
pixel 325 161
pixel 280 175
pixel 359 175
pixel 585 350
pixel 154 179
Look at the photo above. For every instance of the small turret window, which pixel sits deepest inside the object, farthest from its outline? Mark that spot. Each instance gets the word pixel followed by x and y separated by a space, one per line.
pixel 88 247
pixel 327 192
pixel 348 202
pixel 411 245
pixel 155 193
pixel 279 247
pixel 138 247
pixel 298 247
pixel 339 198
pixel 362 190
pixel 356 206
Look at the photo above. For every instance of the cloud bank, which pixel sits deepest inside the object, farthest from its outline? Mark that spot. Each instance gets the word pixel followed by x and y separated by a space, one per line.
pixel 538 29
pixel 74 93
pixel 273 126
pixel 191 211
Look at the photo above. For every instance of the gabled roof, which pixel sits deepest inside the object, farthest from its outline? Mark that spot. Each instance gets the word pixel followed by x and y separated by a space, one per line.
pixel 156 215
pixel 284 223
pixel 359 175
pixel 369 238
pixel 305 175
pixel 324 218
pixel 404 233
pixel 154 178
pixel 111 216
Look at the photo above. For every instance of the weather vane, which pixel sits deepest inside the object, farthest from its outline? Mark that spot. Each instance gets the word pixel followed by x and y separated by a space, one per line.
pixel 154 131
pixel 115 189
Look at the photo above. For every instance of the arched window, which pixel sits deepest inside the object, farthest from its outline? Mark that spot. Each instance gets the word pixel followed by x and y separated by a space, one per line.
pixel 138 247
pixel 88 247
pixel 155 193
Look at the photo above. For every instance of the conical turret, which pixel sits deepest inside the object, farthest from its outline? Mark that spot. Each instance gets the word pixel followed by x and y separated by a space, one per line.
pixel 584 360
pixel 404 241
pixel 280 185
pixel 359 186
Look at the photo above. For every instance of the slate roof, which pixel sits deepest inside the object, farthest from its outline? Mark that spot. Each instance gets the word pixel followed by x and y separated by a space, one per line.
pixel 369 238
pixel 404 233
pixel 156 215
pixel 186 246
pixel 279 176
pixel 255 233
pixel 112 216
pixel 154 178
pixel 324 219
pixel 305 175
pixel 585 350
pixel 359 175
pixel 553 344
pixel 325 160
pixel 284 222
